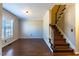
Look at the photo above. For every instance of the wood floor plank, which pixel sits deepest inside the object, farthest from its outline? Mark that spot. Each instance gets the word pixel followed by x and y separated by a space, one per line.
pixel 30 47
pixel 27 47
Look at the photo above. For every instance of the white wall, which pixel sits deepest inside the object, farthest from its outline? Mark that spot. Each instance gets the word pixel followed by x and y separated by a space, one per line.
pixel 0 29
pixel 77 27
pixel 31 28
pixel 70 24
pixel 46 29
pixel 15 31
pixel 67 23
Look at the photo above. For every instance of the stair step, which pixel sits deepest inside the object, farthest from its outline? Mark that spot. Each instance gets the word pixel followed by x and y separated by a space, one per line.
pixel 62 41
pixel 61 44
pixel 63 50
pixel 62 47
pixel 58 36
pixel 63 54
pixel 57 32
pixel 56 29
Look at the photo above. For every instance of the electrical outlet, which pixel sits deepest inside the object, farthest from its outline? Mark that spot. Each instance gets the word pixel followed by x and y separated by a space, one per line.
pixel 31 34
pixel 5 41
pixel 71 30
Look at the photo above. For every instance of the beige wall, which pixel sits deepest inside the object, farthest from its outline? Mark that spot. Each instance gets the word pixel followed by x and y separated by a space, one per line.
pixel 0 29
pixel 15 31
pixel 53 11
pixel 66 23
pixel 31 28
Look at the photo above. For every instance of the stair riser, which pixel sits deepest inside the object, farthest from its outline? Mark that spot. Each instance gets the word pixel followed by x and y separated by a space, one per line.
pixel 63 54
pixel 58 35
pixel 60 40
pixel 63 51
pixel 64 47
pixel 61 44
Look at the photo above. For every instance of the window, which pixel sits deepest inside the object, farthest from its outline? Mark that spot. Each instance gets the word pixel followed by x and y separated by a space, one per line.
pixel 7 27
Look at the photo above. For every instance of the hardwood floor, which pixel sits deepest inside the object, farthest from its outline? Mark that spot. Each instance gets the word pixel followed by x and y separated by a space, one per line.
pixel 30 47
pixel 27 47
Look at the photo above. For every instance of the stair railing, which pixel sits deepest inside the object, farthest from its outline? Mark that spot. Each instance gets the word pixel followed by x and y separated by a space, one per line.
pixel 51 36
pixel 59 13
pixel 51 30
pixel 56 14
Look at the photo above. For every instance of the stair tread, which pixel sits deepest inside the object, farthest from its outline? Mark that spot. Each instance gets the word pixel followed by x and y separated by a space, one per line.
pixel 60 39
pixel 64 54
pixel 58 36
pixel 62 47
pixel 63 50
pixel 63 43
pixel 57 33
pixel 60 43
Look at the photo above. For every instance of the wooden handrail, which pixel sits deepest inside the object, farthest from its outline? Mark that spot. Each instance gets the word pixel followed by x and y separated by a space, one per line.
pixel 63 9
pixel 60 13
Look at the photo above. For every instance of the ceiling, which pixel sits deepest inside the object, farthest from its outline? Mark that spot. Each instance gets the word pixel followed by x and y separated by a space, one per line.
pixel 37 10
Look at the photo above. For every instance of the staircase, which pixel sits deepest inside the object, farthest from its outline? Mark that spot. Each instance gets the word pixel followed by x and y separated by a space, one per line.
pixel 61 48
pixel 58 44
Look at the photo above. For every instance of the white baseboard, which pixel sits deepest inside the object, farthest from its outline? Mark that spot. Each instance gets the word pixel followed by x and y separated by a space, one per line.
pixel 7 43
pixel 31 38
pixel 67 40
pixel 49 46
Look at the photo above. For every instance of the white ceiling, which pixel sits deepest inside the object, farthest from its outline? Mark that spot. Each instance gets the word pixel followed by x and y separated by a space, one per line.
pixel 37 9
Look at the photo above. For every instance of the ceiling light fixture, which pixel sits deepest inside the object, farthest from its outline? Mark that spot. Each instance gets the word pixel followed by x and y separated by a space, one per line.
pixel 27 12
